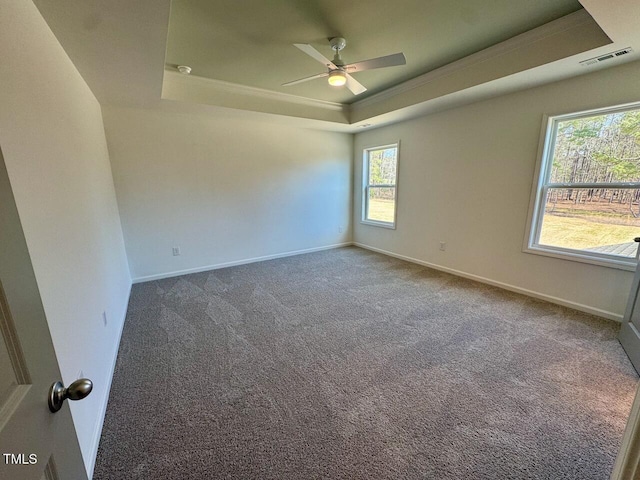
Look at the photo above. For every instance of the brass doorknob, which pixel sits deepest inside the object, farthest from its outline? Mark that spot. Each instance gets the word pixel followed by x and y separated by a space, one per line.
pixel 76 391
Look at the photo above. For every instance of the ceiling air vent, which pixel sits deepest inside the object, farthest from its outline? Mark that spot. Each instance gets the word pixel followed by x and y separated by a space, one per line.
pixel 606 56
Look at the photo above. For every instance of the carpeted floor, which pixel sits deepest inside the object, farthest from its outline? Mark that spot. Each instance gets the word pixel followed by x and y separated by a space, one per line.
pixel 347 364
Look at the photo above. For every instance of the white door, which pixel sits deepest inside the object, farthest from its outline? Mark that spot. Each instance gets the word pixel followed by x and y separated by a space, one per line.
pixel 630 331
pixel 34 443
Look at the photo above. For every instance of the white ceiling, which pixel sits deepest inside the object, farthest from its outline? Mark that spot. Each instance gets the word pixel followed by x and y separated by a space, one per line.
pixel 120 48
pixel 250 42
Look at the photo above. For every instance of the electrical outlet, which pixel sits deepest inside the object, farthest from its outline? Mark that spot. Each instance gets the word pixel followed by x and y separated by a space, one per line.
pixel 443 246
pixel 104 318
pixel 176 251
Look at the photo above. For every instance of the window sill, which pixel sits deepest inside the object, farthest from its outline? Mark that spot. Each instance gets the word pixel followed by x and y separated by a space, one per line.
pixel 391 226
pixel 620 263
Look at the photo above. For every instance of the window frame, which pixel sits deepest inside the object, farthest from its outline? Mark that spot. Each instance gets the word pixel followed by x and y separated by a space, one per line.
pixel 366 186
pixel 541 185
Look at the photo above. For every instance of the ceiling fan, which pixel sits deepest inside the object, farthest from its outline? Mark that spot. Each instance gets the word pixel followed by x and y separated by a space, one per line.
pixel 338 72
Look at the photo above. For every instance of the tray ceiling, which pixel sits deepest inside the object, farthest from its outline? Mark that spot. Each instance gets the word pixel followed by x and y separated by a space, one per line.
pixel 241 51
pixel 250 42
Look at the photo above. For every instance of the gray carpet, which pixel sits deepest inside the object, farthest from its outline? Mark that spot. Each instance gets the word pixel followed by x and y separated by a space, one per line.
pixel 347 364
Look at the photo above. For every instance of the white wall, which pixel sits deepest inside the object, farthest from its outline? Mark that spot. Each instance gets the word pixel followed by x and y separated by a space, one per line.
pixel 465 178
pixel 52 137
pixel 224 189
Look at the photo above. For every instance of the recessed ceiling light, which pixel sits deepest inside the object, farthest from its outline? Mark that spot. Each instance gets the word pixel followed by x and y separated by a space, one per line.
pixel 185 70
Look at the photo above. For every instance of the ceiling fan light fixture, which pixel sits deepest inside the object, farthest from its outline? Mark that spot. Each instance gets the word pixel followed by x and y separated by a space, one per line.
pixel 337 78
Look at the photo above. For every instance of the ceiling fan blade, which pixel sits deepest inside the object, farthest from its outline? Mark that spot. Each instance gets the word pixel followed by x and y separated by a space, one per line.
pixel 380 62
pixel 312 52
pixel 306 79
pixel 355 86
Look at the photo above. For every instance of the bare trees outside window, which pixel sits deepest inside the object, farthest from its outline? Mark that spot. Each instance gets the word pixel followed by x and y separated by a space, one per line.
pixel 588 195
pixel 379 185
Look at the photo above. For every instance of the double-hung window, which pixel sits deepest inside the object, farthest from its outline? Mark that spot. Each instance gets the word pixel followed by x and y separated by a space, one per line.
pixel 380 175
pixel 586 203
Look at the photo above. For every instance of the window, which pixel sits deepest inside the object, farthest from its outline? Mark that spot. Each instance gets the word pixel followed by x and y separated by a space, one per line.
pixel 380 173
pixel 587 199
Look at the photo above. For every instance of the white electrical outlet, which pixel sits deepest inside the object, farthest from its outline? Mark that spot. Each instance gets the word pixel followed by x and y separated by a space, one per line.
pixel 104 318
pixel 176 251
pixel 443 246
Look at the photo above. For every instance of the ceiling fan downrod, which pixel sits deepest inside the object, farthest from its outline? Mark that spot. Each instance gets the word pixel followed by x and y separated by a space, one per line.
pixel 337 44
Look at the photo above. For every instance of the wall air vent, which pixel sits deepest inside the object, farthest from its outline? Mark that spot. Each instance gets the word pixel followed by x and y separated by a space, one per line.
pixel 606 56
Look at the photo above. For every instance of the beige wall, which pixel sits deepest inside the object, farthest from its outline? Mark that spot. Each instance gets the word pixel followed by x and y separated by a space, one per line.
pixel 465 178
pixel 54 147
pixel 224 189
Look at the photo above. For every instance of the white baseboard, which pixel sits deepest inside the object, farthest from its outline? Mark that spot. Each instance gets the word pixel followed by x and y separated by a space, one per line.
pixel 216 266
pixel 506 286
pixel 103 408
